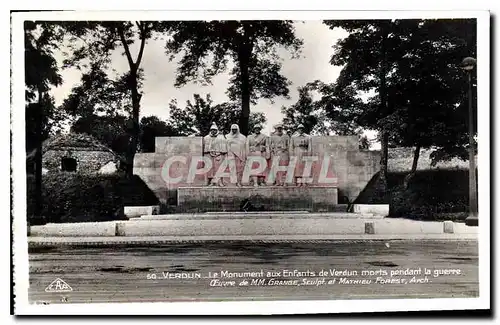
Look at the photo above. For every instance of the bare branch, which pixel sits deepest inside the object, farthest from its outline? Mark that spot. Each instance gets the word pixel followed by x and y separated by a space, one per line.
pixel 131 63
pixel 140 25
pixel 143 30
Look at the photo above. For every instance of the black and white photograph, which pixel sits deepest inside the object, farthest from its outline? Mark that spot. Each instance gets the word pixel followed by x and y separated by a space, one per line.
pixel 231 157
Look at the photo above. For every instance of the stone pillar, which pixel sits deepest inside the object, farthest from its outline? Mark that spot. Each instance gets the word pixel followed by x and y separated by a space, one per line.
pixel 369 227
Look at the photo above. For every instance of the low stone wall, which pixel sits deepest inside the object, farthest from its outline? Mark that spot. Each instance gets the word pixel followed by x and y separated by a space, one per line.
pixel 376 209
pixel 401 160
pixel 252 227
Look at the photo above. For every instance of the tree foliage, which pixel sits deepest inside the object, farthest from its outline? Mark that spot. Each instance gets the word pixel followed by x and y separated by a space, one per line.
pixel 98 93
pixel 340 109
pixel 207 48
pixel 152 127
pixel 426 89
pixel 111 130
pixel 405 77
pixel 49 117
pixel 198 115
pixel 41 74
pixel 311 114
pixel 303 113
pixel 41 71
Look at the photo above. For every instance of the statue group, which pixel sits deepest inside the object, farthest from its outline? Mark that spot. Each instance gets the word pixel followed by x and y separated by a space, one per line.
pixel 236 148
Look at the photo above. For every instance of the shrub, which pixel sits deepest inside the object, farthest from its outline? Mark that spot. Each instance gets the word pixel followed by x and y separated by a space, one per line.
pixel 69 197
pixel 432 194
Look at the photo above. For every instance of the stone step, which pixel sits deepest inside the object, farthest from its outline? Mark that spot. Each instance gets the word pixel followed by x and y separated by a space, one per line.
pixel 275 226
pixel 137 211
pixel 251 228
pixel 256 212
pixel 235 207
pixel 261 215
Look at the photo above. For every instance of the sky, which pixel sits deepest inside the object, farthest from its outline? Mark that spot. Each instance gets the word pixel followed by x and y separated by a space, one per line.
pixel 159 72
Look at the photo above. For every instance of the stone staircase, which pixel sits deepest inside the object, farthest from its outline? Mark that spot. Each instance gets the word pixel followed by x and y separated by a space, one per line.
pixel 253 215
pixel 251 223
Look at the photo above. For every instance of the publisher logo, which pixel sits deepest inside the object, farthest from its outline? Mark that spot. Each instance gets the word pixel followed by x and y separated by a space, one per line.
pixel 58 285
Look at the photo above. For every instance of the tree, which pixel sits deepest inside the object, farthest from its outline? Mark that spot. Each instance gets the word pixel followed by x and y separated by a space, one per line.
pixel 207 48
pixel 315 119
pixel 197 117
pixel 110 130
pixel 366 60
pixel 408 64
pixel 152 127
pixel 303 112
pixel 454 40
pixel 100 39
pixel 100 106
pixel 47 119
pixel 312 115
pixel 41 73
pixel 98 94
pixel 427 90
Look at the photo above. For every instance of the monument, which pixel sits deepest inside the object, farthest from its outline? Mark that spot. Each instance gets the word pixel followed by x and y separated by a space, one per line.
pixel 221 172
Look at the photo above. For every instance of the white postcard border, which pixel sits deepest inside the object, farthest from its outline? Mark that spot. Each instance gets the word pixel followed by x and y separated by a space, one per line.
pixel 262 307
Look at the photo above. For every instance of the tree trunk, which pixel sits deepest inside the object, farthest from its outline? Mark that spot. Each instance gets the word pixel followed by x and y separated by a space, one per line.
pixel 244 55
pixel 414 165
pixel 383 109
pixel 136 97
pixel 384 141
pixel 38 156
pixel 134 135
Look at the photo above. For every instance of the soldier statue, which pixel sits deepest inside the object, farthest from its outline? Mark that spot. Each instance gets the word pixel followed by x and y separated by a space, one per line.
pixel 279 143
pixel 215 147
pixel 258 145
pixel 236 150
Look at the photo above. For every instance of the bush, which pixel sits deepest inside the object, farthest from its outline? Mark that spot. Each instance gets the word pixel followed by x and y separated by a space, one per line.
pixel 432 195
pixel 69 197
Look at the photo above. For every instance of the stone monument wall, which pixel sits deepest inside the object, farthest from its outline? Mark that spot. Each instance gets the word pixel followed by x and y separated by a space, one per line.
pixel 351 168
pixel 149 166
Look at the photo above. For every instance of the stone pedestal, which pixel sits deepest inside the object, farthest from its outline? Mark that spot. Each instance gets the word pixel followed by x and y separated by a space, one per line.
pixel 274 198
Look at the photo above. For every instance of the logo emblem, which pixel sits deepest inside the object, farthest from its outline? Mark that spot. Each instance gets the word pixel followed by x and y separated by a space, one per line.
pixel 58 285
